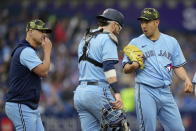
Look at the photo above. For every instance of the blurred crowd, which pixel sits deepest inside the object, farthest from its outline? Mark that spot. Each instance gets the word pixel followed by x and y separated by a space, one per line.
pixel 68 29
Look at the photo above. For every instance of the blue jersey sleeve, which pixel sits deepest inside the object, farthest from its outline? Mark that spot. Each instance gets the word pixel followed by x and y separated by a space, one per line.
pixel 29 58
pixel 178 57
pixel 194 78
pixel 109 50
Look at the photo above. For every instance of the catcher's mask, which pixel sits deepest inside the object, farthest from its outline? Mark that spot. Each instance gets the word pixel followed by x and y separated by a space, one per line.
pixel 113 119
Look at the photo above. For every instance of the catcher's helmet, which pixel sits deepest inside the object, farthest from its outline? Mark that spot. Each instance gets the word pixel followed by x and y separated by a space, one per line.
pixel 112 14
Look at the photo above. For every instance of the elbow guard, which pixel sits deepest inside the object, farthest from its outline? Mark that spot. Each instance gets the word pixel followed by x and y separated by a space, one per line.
pixel 110 73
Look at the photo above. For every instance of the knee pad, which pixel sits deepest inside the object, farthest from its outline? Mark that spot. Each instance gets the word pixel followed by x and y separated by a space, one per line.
pixel 113 119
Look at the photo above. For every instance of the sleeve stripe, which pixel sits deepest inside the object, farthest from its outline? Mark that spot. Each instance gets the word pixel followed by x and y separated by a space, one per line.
pixel 111 59
pixel 180 64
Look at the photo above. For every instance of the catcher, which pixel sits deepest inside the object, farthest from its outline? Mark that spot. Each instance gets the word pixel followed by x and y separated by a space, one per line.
pixel 98 54
pixel 163 55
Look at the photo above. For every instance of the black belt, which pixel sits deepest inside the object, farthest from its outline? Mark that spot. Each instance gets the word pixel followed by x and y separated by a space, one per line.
pixel 89 82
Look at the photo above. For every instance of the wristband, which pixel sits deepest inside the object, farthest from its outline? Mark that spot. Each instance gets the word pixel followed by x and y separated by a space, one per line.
pixel 115 87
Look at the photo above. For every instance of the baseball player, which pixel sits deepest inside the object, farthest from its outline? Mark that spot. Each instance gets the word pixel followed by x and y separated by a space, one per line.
pixel 194 83
pixel 97 54
pixel 162 56
pixel 24 81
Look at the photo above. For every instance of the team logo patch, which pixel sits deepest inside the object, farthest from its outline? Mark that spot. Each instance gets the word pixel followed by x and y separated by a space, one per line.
pixel 169 67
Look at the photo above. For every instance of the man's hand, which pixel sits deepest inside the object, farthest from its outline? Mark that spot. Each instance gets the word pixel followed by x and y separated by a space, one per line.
pixel 46 44
pixel 43 69
pixel 188 86
pixel 129 68
pixel 181 73
pixel 117 104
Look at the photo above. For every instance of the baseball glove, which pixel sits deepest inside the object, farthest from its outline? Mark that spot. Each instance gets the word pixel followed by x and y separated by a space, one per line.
pixel 134 54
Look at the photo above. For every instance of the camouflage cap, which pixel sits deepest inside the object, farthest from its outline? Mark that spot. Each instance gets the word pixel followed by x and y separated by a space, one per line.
pixel 149 14
pixel 38 24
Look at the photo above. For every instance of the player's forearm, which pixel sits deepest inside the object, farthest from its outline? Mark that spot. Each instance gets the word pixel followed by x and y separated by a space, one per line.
pixel 46 60
pixel 42 69
pixel 110 74
pixel 112 80
pixel 129 68
pixel 46 63
pixel 181 73
pixel 47 48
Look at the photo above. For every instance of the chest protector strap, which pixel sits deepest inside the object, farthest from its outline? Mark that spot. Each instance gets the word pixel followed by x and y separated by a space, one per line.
pixel 88 36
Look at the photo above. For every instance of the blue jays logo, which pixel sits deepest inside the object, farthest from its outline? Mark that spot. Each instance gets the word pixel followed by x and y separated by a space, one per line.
pixel 169 67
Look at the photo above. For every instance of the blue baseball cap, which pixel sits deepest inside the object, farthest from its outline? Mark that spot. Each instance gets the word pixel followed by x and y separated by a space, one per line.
pixel 112 14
